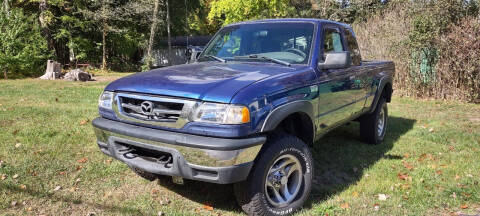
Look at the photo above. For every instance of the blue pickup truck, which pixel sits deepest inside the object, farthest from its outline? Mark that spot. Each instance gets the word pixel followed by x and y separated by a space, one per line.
pixel 248 110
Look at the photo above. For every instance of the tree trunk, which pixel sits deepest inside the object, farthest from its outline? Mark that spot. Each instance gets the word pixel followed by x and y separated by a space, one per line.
pixel 104 37
pixel 5 73
pixel 168 34
pixel 6 6
pixel 43 7
pixel 152 33
pixel 104 49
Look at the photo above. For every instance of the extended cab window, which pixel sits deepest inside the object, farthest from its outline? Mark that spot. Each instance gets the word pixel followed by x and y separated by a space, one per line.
pixel 353 47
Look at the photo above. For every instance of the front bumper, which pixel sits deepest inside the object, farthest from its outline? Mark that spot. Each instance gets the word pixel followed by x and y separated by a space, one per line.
pixel 208 159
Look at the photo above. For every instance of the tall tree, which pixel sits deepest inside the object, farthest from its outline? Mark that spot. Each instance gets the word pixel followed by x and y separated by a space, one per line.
pixel 168 32
pixel 230 11
pixel 152 33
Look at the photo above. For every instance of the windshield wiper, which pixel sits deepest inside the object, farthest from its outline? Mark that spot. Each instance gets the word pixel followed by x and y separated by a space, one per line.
pixel 216 58
pixel 274 60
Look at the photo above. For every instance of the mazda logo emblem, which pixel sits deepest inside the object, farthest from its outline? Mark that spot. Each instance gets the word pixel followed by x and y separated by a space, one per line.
pixel 147 108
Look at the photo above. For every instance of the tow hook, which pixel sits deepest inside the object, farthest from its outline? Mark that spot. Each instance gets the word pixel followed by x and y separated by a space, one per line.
pixel 165 160
pixel 128 153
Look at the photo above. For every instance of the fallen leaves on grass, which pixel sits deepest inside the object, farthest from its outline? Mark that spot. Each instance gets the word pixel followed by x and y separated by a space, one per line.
pixel 452 148
pixel 407 165
pixel 23 187
pixel 207 207
pixel 457 177
pixel 439 172
pixel 13 203
pixel 165 202
pixel 464 206
pixel 77 181
pixel 18 145
pixel 345 205
pixel 425 156
pixel 83 122
pixel 15 176
pixel 431 130
pixel 3 177
pixel 382 197
pixel 355 194
pixel 376 207
pixel 404 176
pixel 108 161
pixel 82 160
pixel 406 155
pixel 57 188
pixel 62 173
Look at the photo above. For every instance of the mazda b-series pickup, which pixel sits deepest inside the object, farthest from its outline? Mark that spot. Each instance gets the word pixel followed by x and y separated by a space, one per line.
pixel 248 110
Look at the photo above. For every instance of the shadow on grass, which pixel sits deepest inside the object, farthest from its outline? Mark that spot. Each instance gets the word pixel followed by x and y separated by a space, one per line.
pixel 69 199
pixel 340 158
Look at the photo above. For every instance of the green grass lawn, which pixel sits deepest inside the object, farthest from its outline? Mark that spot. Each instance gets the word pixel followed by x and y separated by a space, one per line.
pixel 50 163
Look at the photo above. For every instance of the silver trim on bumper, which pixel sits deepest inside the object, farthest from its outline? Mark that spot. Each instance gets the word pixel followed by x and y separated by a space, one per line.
pixel 193 156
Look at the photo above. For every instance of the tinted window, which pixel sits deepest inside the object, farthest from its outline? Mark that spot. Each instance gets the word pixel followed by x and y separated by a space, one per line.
pixel 353 46
pixel 290 42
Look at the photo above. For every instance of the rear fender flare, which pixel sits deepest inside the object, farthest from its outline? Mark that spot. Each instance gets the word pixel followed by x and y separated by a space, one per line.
pixel 381 87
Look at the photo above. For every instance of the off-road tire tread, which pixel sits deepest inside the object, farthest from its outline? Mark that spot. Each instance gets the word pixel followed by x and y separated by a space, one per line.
pixel 275 143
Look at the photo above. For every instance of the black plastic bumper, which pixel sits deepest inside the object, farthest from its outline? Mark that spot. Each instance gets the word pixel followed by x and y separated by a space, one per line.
pixel 209 159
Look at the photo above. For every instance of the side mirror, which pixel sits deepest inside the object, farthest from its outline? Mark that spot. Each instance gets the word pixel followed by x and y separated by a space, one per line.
pixel 336 60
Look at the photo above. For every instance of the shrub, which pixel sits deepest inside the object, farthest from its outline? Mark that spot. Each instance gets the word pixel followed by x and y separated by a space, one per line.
pixel 458 68
pixel 23 51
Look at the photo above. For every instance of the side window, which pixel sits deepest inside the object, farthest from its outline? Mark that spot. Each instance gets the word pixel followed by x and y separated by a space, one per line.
pixel 332 41
pixel 353 46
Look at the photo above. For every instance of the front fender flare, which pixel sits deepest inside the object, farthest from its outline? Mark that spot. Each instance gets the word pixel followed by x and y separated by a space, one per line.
pixel 276 116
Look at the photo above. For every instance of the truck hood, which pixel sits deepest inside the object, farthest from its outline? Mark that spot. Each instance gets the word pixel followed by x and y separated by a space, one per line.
pixel 208 81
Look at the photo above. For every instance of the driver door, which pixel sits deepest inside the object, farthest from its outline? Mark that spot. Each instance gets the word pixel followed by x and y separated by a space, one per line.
pixel 336 99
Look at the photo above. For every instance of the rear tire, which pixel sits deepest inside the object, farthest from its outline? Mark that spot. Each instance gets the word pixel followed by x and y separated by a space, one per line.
pixel 280 180
pixel 373 126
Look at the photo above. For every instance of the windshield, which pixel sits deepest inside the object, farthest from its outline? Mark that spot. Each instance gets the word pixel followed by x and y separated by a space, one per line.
pixel 288 42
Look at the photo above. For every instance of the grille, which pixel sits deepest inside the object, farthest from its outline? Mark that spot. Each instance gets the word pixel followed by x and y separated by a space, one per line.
pixel 162 111
pixel 159 111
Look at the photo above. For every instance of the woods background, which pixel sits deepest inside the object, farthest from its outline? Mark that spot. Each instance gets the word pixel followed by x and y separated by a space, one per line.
pixel 434 43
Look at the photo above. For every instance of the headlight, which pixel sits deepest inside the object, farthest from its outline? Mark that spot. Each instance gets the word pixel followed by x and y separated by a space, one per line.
pixel 221 113
pixel 105 100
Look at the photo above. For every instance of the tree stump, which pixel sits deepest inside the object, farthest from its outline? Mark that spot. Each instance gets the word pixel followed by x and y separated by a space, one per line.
pixel 54 71
pixel 77 75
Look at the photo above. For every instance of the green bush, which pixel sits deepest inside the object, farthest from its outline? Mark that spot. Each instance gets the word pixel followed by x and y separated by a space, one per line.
pixel 23 51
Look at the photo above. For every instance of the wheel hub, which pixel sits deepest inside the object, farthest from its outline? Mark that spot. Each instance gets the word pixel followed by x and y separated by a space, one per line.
pixel 277 179
pixel 283 181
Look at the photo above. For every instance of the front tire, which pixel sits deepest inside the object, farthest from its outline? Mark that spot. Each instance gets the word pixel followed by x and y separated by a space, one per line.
pixel 280 180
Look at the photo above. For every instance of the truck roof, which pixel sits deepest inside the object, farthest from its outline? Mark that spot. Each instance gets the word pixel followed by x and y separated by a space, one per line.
pixel 319 21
